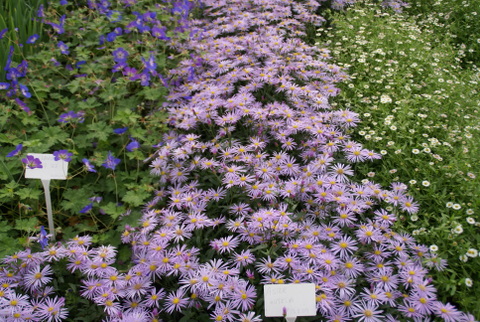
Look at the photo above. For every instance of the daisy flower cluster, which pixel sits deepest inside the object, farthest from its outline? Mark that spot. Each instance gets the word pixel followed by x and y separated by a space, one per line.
pixel 420 105
pixel 255 187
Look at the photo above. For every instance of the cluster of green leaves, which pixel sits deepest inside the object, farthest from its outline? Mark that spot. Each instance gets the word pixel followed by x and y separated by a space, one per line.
pixel 420 109
pixel 109 101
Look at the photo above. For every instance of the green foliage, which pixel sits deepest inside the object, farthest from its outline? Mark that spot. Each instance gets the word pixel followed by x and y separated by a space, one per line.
pixel 458 18
pixel 420 108
pixel 20 19
pixel 82 82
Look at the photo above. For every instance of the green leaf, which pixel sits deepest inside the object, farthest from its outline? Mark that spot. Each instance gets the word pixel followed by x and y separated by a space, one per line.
pixel 135 198
pixel 28 225
pixel 126 117
pixel 113 210
pixel 8 191
pixel 153 94
pixel 28 193
pixel 74 85
pixel 99 131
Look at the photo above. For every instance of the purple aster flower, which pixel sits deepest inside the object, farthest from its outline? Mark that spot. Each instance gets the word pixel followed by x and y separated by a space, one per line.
pixel 88 165
pixel 32 39
pixel 120 130
pixel 62 155
pixel 16 151
pixel 368 312
pixel 86 209
pixel 447 312
pixel 133 145
pixel 176 301
pixel 111 162
pixel 36 277
pixel 63 2
pixel 226 244
pixel 120 55
pixel 31 162
pixel 63 48
pixel 244 297
pixel 4 85
pixel 52 309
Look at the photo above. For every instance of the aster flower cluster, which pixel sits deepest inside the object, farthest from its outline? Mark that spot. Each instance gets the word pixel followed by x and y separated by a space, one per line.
pixel 256 187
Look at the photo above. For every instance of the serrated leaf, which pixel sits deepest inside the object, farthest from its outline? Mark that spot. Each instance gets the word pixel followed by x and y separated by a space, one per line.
pixel 113 210
pixel 27 225
pixel 28 193
pixel 135 198
pixel 99 131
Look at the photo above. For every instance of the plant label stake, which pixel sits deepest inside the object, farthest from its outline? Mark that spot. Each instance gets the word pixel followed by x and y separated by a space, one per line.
pixel 290 300
pixel 50 169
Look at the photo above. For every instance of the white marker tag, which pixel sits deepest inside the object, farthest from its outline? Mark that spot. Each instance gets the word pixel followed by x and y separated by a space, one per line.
pixel 51 169
pixel 290 300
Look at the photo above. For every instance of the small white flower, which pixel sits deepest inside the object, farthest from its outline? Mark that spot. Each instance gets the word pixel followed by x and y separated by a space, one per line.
pixel 463 258
pixel 425 183
pixel 470 220
pixel 457 230
pixel 412 181
pixel 472 252
pixel 385 99
pixel 371 174
pixel 449 204
pixel 415 151
pixel 468 282
pixel 383 152
pixel 470 212
pixel 433 248
pixel 456 206
pixel 393 128
pixel 413 217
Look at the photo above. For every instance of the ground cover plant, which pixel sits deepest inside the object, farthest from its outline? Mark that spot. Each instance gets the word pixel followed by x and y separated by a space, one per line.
pixel 456 18
pixel 255 186
pixel 419 106
pixel 17 25
pixel 86 95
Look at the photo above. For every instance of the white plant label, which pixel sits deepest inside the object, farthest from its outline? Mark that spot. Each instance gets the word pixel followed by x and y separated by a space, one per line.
pixel 290 300
pixel 51 169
